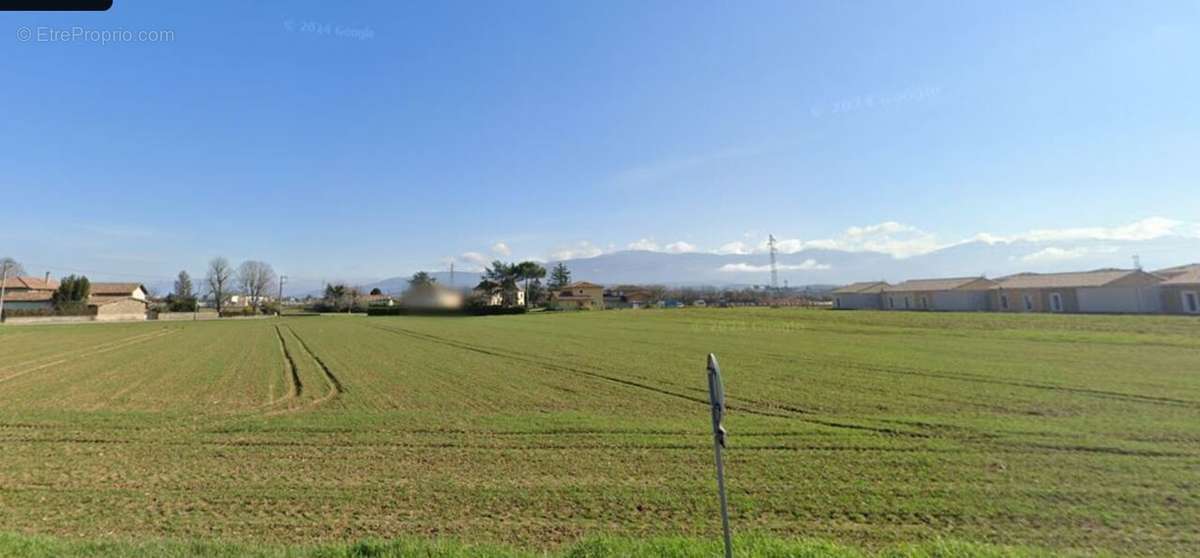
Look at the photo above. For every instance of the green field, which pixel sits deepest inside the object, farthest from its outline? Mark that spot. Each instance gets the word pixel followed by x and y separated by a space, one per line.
pixel 866 429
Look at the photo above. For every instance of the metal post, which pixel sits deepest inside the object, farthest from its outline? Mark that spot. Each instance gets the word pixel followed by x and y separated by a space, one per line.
pixel 716 397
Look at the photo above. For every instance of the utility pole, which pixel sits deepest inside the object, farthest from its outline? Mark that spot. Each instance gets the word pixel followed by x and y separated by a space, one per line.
pixel 279 301
pixel 3 285
pixel 774 269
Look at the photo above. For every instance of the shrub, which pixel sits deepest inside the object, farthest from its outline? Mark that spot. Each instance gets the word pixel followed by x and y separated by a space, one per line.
pixel 71 297
pixel 178 304
pixel 69 310
pixel 27 312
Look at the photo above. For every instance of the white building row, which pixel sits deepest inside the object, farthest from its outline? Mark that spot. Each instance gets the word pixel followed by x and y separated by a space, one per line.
pixel 1111 291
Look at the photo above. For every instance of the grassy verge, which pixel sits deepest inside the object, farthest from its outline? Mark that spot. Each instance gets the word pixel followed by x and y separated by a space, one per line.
pixel 35 546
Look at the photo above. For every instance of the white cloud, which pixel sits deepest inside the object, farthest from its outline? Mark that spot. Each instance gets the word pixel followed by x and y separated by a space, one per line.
pixel 679 247
pixel 501 249
pixel 643 244
pixel 897 239
pixel 475 261
pixel 1145 229
pixel 736 247
pixel 987 238
pixel 581 249
pixel 672 248
pixel 1150 228
pixel 903 241
pixel 1056 254
pixel 743 267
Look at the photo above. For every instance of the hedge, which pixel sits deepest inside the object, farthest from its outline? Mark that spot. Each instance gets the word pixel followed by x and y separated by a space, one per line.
pixel 46 312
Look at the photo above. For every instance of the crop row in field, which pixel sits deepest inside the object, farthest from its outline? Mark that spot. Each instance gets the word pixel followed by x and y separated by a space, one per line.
pixel 1067 432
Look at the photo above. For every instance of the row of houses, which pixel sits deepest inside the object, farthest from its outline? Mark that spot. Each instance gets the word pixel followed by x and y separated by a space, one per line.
pixel 1174 290
pixel 107 301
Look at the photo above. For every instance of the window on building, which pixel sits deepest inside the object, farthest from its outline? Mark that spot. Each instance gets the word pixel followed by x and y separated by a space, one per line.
pixel 837 302
pixel 1056 302
pixel 924 303
pixel 907 304
pixel 1191 302
pixel 891 302
pixel 1004 301
pixel 1028 303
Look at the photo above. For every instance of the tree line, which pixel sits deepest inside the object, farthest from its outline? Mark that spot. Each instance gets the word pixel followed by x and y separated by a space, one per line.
pixel 252 279
pixel 507 280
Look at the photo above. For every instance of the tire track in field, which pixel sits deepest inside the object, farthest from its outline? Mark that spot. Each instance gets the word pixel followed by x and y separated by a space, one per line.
pixel 129 342
pixel 333 380
pixel 73 351
pixel 1103 394
pixel 335 385
pixel 564 368
pixel 295 386
pixel 792 412
pixel 543 364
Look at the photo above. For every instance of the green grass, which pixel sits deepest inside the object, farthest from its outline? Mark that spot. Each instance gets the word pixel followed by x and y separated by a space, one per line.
pixel 594 547
pixel 871 430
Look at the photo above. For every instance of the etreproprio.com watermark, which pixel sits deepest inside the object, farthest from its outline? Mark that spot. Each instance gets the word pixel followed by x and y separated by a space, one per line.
pixel 81 34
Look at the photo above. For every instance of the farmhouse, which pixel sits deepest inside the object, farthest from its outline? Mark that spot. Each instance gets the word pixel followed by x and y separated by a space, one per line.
pixel 952 294
pixel 378 300
pixel 29 293
pixel 1181 290
pixel 242 301
pixel 497 298
pixel 859 296
pixel 578 296
pixel 1125 291
pixel 118 301
pixel 627 297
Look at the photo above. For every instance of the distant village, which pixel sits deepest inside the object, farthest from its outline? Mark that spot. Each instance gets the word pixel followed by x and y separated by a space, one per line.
pixel 1174 290
pixel 246 291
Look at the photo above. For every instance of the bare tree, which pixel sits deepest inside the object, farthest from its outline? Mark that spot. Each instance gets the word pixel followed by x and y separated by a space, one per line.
pixel 658 293
pixel 11 267
pixel 255 278
pixel 220 279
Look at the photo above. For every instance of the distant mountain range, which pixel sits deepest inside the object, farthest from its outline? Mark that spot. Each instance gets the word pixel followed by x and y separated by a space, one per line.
pixel 834 267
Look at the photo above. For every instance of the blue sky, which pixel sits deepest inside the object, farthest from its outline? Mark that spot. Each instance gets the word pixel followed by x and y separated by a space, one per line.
pixel 375 139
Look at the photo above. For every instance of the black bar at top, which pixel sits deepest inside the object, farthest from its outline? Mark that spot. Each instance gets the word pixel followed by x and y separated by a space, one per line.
pixel 55 5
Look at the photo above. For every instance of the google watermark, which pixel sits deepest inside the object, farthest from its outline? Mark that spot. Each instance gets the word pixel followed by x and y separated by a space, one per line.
pixel 80 34
pixel 329 29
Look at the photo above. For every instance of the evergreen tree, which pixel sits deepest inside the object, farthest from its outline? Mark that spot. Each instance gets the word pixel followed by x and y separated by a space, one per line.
pixel 560 276
pixel 72 295
pixel 183 299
